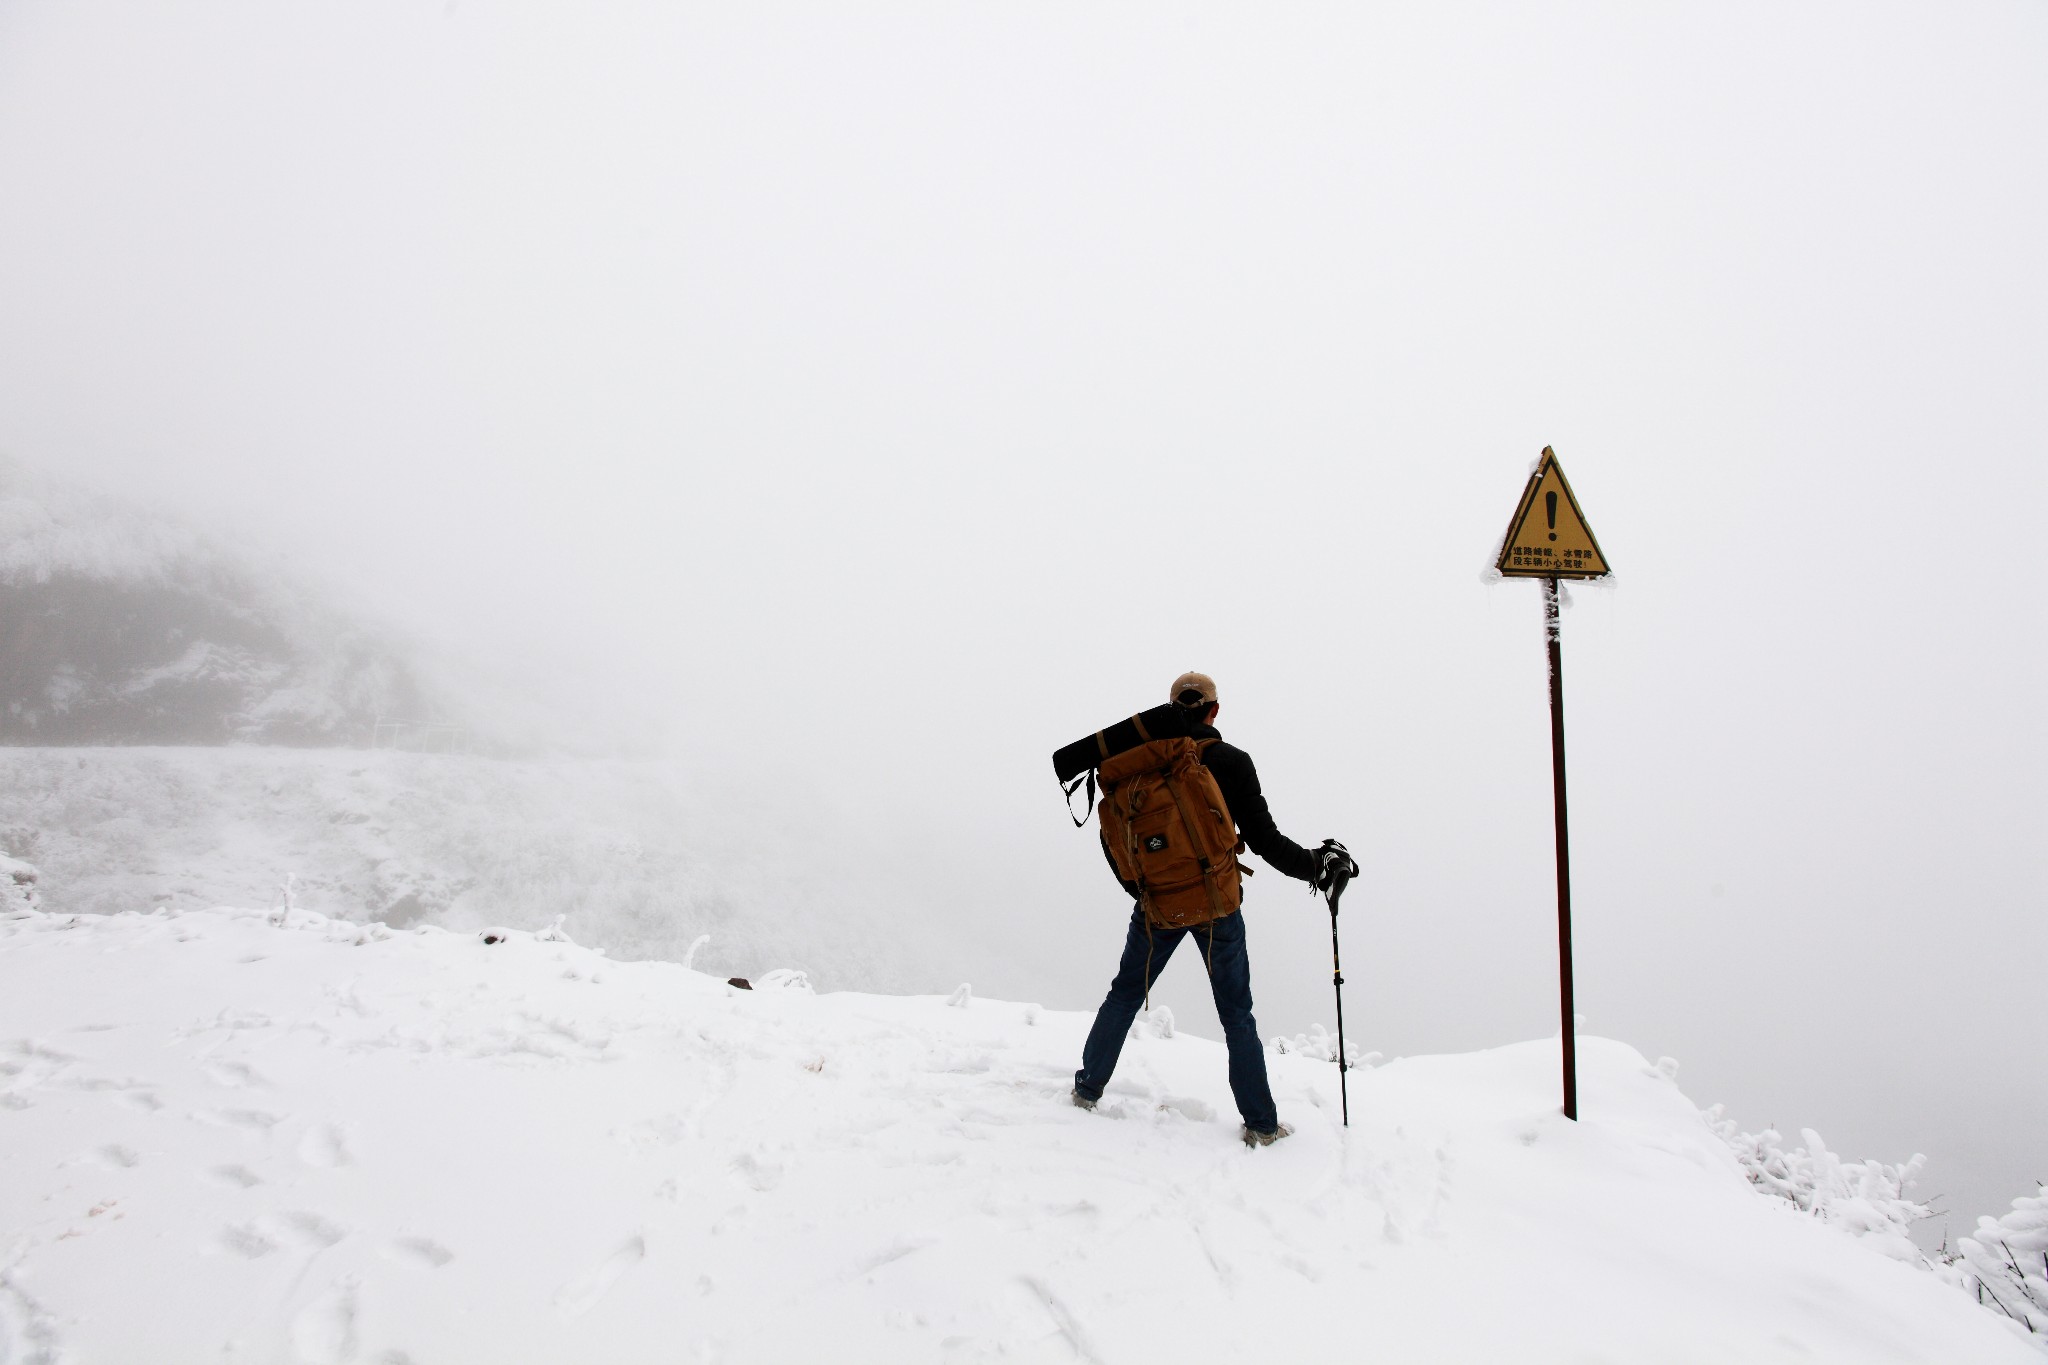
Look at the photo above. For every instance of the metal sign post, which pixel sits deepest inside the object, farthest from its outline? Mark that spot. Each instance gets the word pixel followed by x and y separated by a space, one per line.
pixel 1549 539
pixel 1552 633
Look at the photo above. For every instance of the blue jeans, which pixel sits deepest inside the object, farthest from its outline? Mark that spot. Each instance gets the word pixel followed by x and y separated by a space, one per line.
pixel 1221 943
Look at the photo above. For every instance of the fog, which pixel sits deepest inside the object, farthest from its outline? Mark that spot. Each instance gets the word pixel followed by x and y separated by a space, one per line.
pixel 861 404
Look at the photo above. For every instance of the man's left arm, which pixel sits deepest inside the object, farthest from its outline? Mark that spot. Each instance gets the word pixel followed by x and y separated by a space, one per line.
pixel 1239 780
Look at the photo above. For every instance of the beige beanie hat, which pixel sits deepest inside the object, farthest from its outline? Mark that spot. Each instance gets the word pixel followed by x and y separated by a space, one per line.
pixel 1194 682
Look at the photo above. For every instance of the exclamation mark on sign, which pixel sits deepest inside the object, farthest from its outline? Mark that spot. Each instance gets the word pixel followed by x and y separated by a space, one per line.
pixel 1550 511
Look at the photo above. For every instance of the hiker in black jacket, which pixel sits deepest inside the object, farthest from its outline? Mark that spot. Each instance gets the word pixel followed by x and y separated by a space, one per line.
pixel 1148 946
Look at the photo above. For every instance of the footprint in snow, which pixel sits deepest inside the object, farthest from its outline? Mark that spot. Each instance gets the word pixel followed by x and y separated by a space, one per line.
pixel 239 1176
pixel 422 1252
pixel 1303 1267
pixel 246 1240
pixel 28 1050
pixel 663 1130
pixel 232 1075
pixel 324 1332
pixel 762 1173
pixel 28 1333
pixel 888 1255
pixel 141 1101
pixel 585 1291
pixel 309 1230
pixel 253 1120
pixel 323 1145
pixel 114 1154
pixel 1201 1111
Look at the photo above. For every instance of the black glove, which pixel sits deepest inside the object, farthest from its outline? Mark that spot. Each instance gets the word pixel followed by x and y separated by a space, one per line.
pixel 1334 871
pixel 1333 863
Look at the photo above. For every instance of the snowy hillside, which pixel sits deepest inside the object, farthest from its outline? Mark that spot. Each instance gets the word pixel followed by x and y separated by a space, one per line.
pixel 120 625
pixel 635 855
pixel 324 1142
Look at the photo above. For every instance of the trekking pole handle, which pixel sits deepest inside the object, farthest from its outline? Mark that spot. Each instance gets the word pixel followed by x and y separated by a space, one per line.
pixel 1339 873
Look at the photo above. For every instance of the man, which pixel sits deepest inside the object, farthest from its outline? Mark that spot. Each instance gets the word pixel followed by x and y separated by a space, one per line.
pixel 1147 946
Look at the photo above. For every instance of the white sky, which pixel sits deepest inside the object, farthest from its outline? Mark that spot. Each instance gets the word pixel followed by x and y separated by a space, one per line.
pixel 870 401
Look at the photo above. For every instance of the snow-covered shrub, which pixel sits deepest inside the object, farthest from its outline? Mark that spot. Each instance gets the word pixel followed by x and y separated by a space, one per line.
pixel 2005 1265
pixel 1864 1198
pixel 785 979
pixel 558 932
pixel 1156 1022
pixel 17 888
pixel 1319 1044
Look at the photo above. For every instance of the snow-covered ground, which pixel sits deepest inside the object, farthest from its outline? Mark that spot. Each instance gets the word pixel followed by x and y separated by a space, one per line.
pixel 227 1140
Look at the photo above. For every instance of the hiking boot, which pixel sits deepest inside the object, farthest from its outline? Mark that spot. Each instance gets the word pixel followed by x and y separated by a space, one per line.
pixel 1254 1138
pixel 1081 1101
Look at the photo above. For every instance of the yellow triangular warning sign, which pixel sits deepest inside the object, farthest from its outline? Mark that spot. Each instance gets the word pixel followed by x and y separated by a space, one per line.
pixel 1549 537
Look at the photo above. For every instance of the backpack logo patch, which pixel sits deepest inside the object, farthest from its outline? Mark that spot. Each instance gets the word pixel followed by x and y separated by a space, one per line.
pixel 1155 844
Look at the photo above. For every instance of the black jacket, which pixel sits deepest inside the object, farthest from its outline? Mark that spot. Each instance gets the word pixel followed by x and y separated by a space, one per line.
pixel 1239 782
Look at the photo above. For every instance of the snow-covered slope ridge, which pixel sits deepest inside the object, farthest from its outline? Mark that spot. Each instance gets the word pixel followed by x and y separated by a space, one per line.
pixel 639 858
pixel 121 625
pixel 230 1140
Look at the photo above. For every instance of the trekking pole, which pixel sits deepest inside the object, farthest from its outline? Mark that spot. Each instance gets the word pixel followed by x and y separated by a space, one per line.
pixel 1340 876
pixel 1343 1058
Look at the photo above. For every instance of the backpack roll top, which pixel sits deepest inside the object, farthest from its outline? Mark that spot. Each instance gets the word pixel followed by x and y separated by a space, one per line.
pixel 1169 831
pixel 1076 760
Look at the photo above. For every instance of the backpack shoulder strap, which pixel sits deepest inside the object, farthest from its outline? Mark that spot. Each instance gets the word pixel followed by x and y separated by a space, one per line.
pixel 1202 747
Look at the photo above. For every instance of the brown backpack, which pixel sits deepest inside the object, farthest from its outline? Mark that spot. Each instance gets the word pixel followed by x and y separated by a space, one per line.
pixel 1168 830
